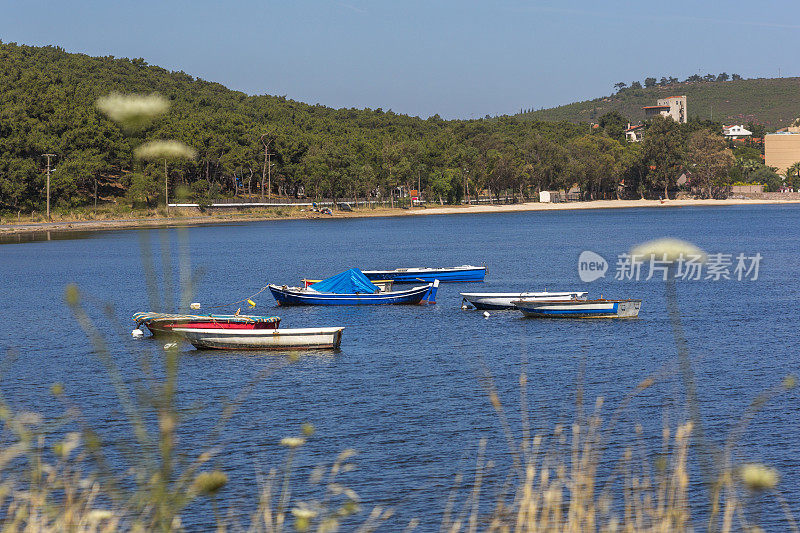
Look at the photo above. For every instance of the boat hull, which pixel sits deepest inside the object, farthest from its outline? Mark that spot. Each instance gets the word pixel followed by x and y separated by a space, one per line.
pixel 503 300
pixel 276 339
pixel 580 308
pixel 428 275
pixel 162 324
pixel 297 296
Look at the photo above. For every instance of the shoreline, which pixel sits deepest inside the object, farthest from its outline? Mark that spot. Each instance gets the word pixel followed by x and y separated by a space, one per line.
pixel 200 220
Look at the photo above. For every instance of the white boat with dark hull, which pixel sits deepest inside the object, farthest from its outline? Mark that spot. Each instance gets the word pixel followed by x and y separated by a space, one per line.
pixel 579 308
pixel 262 339
pixel 465 273
pixel 503 300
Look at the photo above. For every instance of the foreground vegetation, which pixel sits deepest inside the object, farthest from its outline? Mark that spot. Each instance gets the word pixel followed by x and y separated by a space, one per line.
pixel 232 144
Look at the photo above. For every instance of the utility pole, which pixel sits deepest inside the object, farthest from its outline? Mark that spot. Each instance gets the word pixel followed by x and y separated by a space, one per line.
pixel 166 187
pixel 269 174
pixel 267 167
pixel 48 156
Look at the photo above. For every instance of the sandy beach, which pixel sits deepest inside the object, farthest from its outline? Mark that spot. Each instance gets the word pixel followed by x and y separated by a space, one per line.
pixel 186 218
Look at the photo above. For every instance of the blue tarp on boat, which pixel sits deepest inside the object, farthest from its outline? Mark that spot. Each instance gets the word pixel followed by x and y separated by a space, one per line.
pixel 348 282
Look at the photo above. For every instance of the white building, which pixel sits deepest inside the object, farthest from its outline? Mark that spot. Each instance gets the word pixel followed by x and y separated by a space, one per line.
pixel 634 134
pixel 674 106
pixel 735 132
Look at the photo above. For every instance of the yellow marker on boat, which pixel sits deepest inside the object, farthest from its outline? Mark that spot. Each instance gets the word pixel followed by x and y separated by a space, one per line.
pixel 251 302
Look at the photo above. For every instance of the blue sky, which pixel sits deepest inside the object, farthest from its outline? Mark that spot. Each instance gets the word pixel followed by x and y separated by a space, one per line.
pixel 459 59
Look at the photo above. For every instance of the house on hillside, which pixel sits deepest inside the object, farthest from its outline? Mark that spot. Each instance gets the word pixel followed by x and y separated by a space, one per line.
pixel 735 132
pixel 634 134
pixel 674 107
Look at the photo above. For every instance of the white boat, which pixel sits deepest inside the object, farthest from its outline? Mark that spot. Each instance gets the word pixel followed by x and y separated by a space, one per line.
pixel 503 300
pixel 579 308
pixel 262 339
pixel 428 275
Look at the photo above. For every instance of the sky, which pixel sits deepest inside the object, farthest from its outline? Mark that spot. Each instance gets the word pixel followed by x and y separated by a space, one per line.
pixel 457 59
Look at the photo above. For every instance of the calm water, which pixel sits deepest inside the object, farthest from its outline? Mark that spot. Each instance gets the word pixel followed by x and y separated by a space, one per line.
pixel 406 389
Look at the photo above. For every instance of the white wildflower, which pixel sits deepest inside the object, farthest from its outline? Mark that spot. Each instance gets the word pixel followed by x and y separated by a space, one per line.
pixel 132 110
pixel 759 477
pixel 668 249
pixel 165 150
pixel 292 442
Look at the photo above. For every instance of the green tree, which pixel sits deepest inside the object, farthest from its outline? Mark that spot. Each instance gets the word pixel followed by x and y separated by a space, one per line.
pixel 144 188
pixel 650 82
pixel 768 177
pixel 793 176
pixel 614 124
pixel 709 161
pixel 662 149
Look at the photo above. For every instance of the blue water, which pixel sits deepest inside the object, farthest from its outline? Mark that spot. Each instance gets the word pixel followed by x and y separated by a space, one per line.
pixel 408 389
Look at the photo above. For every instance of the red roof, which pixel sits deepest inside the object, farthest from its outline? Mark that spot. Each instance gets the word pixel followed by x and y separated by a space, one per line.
pixel 656 107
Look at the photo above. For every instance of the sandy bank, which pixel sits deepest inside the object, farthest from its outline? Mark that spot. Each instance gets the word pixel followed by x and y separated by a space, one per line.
pixel 193 220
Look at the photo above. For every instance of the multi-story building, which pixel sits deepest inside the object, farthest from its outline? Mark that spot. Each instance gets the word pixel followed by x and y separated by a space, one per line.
pixel 781 150
pixel 674 106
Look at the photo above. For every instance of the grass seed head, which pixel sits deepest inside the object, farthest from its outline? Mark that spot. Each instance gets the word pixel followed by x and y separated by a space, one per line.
pixel 72 295
pixel 165 150
pixel 209 483
pixel 758 477
pixel 669 250
pixel 133 111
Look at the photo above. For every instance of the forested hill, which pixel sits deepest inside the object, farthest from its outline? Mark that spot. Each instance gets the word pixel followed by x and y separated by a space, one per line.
pixel 47 99
pixel 773 102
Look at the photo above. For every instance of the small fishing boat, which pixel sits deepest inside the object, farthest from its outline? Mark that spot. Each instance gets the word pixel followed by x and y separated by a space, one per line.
pixel 385 285
pixel 161 324
pixel 262 339
pixel 503 300
pixel 416 275
pixel 579 308
pixel 351 287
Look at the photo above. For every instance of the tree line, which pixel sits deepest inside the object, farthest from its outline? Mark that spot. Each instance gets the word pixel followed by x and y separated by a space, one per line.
pixel 650 82
pixel 274 146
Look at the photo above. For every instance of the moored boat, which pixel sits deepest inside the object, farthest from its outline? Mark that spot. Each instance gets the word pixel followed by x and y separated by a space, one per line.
pixel 351 287
pixel 161 324
pixel 262 339
pixel 579 308
pixel 465 273
pixel 503 300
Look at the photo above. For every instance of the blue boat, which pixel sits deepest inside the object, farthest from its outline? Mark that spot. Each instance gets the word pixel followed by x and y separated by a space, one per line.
pixel 427 275
pixel 351 287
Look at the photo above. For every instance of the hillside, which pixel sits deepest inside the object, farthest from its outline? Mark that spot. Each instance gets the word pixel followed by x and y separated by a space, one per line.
pixel 47 105
pixel 773 102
